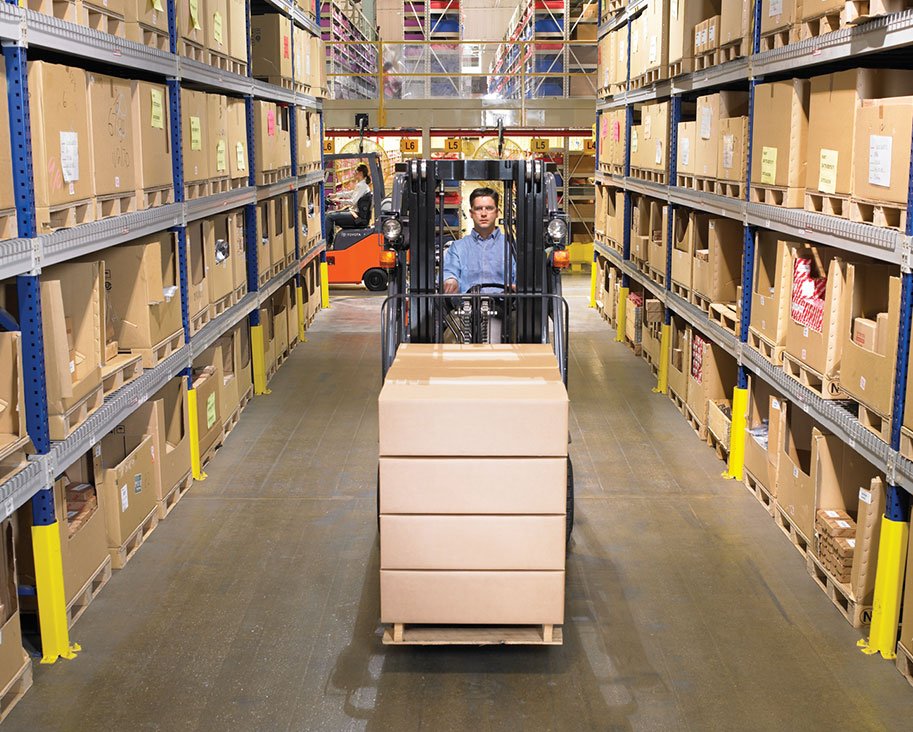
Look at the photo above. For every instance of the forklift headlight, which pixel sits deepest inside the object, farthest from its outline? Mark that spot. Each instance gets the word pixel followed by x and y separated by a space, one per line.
pixel 392 229
pixel 557 230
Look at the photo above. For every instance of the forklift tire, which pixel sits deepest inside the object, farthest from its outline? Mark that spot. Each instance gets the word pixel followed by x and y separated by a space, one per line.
pixel 569 519
pixel 375 279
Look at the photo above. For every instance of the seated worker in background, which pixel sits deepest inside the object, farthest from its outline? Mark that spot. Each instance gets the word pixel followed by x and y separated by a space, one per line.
pixel 355 217
pixel 477 258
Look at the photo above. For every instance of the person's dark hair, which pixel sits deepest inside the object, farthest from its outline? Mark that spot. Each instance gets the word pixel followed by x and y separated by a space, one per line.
pixel 363 169
pixel 484 192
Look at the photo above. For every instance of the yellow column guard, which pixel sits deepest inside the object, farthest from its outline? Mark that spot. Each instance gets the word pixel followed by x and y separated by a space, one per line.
pixel 737 434
pixel 52 601
pixel 324 286
pixel 299 300
pixel 889 576
pixel 593 272
pixel 195 459
pixel 662 382
pixel 620 315
pixel 258 361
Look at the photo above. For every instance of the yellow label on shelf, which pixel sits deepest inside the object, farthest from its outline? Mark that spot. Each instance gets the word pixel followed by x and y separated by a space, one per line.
pixel 408 145
pixel 158 110
pixel 217 27
pixel 241 157
pixel 589 147
pixel 196 134
pixel 769 165
pixel 827 171
pixel 453 145
pixel 329 146
pixel 195 14
pixel 221 156
pixel 538 145
pixel 157 6
pixel 211 411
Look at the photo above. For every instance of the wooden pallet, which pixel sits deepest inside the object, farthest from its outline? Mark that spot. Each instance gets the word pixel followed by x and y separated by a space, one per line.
pixel 824 386
pixel 706 60
pixel 196 189
pixel 796 537
pixel 236 183
pixel 649 77
pixel 656 276
pixel 280 81
pixel 116 204
pixel 759 491
pixel 67 10
pixel 9 228
pixel 732 51
pixel 127 550
pixel 884 214
pixel 61 425
pixel 775 39
pixel 651 176
pixel 221 305
pixel 219 185
pixel 102 19
pixel 857 614
pixel 227 63
pixel 823 203
pixel 718 446
pixel 875 422
pixel 904 663
pixel 779 196
pixel 681 291
pixel 152 357
pixel 240 293
pixel 152 197
pixel 88 592
pixel 191 50
pixel 814 27
pixel 199 321
pixel 269 177
pixel 636 347
pixel 65 216
pixel 120 371
pixel 683 180
pixel 700 302
pixel 229 424
pixel 700 429
pixel 772 353
pixel 148 36
pixel 171 499
pixel 729 188
pixel 16 689
pixel 862 11
pixel 725 315
pixel 704 185
pixel 400 634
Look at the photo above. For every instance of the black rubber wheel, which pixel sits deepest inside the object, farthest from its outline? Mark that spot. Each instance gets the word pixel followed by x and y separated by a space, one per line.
pixel 569 525
pixel 376 280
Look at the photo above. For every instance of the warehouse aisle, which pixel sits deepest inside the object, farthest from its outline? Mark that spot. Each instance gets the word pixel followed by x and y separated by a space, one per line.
pixel 254 605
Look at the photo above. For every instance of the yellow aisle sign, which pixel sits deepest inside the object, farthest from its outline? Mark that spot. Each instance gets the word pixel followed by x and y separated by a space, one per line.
pixel 538 145
pixel 408 145
pixel 589 147
pixel 329 146
pixel 453 145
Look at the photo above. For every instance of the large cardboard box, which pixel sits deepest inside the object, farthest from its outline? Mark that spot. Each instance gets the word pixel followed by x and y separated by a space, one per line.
pixel 12 656
pixel 271 131
pixel 229 392
pixel 237 29
pixel 61 147
pixel 472 542
pixel 463 485
pixel 271 46
pixel 780 137
pixel 778 15
pixel 717 270
pixel 771 286
pixel 207 381
pixel 269 339
pixel 113 130
pixel 881 157
pixel 140 14
pixel 193 19
pixel 650 139
pixel 265 219
pixel 809 9
pixel 687 143
pixel 467 597
pixel 152 137
pixel 684 16
pixel 302 71
pixel 218 135
pixel 218 38
pixel 867 369
pixel 658 246
pixel 711 110
pixel 238 154
pixel 308 132
pixel 71 307
pixel 195 135
pixel 199 240
pixel 690 233
pixel 656 35
pixel 733 152
pixel 237 241
pixel 735 22
pixel 763 427
pixel 13 434
pixel 219 262
pixel 640 227
pixel 834 101
pixel 127 483
pixel 319 67
pixel 280 301
pixel 712 376
pixel 679 356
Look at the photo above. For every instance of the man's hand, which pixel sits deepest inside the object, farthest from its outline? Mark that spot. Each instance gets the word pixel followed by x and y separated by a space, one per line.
pixel 451 286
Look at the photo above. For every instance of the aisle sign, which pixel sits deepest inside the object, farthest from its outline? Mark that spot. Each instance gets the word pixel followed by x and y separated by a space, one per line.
pixel 589 146
pixel 453 145
pixel 329 146
pixel 408 145
pixel 538 145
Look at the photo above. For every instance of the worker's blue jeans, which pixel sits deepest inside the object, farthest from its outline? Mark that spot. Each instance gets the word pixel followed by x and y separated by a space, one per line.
pixel 342 219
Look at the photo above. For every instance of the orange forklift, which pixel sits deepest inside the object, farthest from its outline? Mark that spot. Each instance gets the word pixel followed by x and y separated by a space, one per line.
pixel 354 255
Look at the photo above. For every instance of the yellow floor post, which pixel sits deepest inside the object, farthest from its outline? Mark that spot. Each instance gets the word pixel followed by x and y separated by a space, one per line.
pixel 620 315
pixel 594 270
pixel 324 285
pixel 299 299
pixel 662 382
pixel 889 576
pixel 737 434
pixel 258 361
pixel 52 602
pixel 196 463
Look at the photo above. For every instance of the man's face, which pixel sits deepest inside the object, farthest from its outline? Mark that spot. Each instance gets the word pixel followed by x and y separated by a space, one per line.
pixel 484 212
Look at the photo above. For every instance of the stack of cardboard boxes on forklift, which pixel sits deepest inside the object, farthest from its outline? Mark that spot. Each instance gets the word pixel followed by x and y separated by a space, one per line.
pixel 472 487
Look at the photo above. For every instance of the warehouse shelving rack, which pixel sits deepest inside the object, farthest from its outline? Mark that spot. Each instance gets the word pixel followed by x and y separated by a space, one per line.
pixel 888 33
pixel 350 50
pixel 23 258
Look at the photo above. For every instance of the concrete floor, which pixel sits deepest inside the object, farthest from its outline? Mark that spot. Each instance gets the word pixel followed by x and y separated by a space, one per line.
pixel 254 605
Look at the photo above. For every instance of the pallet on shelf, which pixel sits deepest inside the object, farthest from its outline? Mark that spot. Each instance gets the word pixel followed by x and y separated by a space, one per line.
pixel 779 196
pixel 884 214
pixel 147 35
pixel 60 426
pixel 16 689
pixel 725 315
pixel 173 496
pixel 904 663
pixel 65 215
pixel 67 10
pixel 788 527
pixel 840 593
pixel 824 386
pixel 775 39
pixel 120 371
pixel 128 550
pixel 829 205
pixel 814 27
pixel 770 352
pixel 400 634
pixel 159 196
pixel 88 592
pixel 103 19
pixel 153 356
pixel 759 491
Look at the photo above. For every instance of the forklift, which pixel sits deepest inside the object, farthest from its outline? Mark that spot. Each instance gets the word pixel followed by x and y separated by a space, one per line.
pixel 529 305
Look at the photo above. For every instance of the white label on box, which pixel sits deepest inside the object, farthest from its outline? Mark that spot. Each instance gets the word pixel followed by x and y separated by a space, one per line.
pixel 72 367
pixel 706 122
pixel 852 543
pixel 658 158
pixel 98 450
pixel 775 404
pixel 117 181
pixel 832 514
pixel 686 151
pixel 865 496
pixel 124 498
pixel 862 382
pixel 728 151
pixel 762 299
pixel 138 483
pixel 795 472
pixel 775 8
pixel 804 353
pixel 843 524
pixel 880 160
pixel 69 156
pixel 72 189
pixel 711 34
pixel 652 54
pixel 648 127
pixel 633 140
pixel 673 9
pixel 805 334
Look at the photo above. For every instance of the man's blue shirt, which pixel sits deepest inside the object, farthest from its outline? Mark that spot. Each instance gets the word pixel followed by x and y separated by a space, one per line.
pixel 473 260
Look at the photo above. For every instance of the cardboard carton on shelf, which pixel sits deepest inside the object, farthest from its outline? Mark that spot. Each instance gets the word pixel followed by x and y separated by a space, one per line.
pixel 218 33
pixel 219 264
pixel 687 142
pixel 238 160
pixel 193 19
pixel 113 130
pixel 319 69
pixel 207 382
pixel 265 226
pixel 147 22
pixel 269 340
pixel 870 337
pixel 809 9
pixel 638 47
pixel 151 142
pixel 711 110
pixel 127 483
pixel 656 36
pixel 690 233
pixel 658 245
pixel 237 30
pixel 271 46
pixel 271 132
pixel 712 375
pixel 679 357
pixel 292 313
pixel 199 240
pixel 238 244
pixel 735 25
pixel 640 227
pixel 281 304
pixel 835 99
pixel 61 148
pixel 778 15
pixel 650 139
pixel 880 158
pixel 195 136
pixel 13 658
pixel 13 434
pixel 218 136
pixel 733 151
pixel 780 139
pixel 230 392
pixel 763 428
pixel 771 287
pixel 302 68
pixel 684 17
pixel 718 276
